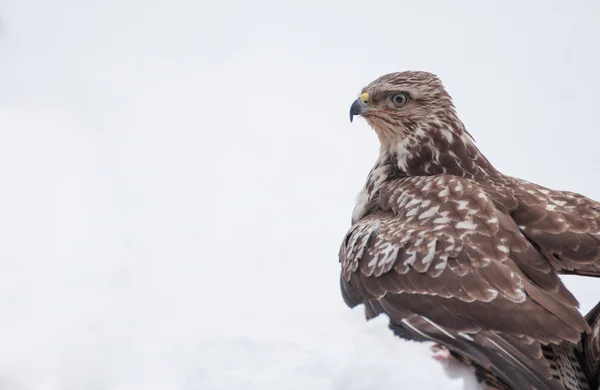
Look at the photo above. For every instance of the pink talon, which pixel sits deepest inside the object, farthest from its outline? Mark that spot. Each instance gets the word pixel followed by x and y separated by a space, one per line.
pixel 442 354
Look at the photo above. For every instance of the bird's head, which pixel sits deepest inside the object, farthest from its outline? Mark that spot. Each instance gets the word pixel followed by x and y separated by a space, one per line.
pixel 405 105
pixel 416 122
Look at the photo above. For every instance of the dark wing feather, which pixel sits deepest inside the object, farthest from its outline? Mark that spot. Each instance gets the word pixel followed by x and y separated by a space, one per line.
pixel 591 346
pixel 445 264
pixel 564 226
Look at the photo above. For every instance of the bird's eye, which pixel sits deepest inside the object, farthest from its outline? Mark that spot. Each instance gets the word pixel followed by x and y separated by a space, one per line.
pixel 400 99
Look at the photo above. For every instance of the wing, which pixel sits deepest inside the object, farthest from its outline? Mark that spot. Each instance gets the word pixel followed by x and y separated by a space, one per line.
pixel 591 346
pixel 446 265
pixel 565 226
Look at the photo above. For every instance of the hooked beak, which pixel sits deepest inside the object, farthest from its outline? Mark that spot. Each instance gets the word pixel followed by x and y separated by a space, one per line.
pixel 359 106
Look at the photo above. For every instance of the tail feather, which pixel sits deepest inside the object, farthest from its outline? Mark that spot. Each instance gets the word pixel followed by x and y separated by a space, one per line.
pixel 565 366
pixel 496 362
pixel 573 366
pixel 566 372
pixel 591 347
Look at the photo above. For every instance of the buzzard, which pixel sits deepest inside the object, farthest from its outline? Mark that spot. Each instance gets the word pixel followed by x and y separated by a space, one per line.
pixel 455 252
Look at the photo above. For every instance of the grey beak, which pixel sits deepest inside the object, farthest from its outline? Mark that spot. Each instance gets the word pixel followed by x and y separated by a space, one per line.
pixel 357 108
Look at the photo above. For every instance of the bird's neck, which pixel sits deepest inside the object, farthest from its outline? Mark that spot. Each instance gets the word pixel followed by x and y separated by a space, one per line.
pixel 436 149
pixel 449 150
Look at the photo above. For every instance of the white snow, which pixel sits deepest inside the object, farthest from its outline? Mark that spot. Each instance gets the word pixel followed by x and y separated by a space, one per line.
pixel 177 177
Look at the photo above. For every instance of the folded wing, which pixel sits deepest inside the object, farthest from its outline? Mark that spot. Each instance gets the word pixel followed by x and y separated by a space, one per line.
pixel 445 264
pixel 564 226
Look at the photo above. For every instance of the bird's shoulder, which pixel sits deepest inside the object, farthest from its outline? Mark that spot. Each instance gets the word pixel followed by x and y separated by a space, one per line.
pixel 428 224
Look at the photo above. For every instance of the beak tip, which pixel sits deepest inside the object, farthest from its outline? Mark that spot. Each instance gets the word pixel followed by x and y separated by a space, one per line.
pixel 357 108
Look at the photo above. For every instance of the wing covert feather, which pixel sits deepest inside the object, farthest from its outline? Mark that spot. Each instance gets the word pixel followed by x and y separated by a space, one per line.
pixel 437 247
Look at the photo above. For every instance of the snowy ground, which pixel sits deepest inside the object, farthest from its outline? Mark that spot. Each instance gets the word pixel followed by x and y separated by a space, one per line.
pixel 177 177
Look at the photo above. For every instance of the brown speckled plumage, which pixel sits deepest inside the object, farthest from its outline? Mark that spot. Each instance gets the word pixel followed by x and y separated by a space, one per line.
pixel 456 252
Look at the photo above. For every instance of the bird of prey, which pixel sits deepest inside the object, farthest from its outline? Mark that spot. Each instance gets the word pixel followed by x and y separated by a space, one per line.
pixel 455 252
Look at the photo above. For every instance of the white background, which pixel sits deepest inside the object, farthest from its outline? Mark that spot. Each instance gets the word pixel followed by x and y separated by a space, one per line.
pixel 176 177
